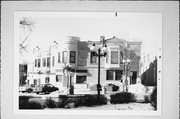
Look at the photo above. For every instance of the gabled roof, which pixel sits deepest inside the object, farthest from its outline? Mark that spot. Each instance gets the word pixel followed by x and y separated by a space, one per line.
pixel 115 40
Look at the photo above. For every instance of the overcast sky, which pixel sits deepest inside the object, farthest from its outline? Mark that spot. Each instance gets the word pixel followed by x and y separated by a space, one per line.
pixel 49 27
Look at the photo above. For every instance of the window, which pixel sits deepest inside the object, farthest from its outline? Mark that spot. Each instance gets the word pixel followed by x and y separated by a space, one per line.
pixel 35 62
pixel 64 60
pixel 81 79
pixel 72 57
pixel 59 57
pixel 53 61
pixel 47 79
pixel 39 62
pixel 93 58
pixel 114 74
pixel 121 58
pixel 48 61
pixel 44 62
pixel 110 74
pixel 35 81
pixel 107 55
pixel 114 57
pixel 118 74
pixel 58 78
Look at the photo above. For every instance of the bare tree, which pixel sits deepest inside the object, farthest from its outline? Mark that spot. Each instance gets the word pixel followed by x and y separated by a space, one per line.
pixel 26 25
pixel 132 56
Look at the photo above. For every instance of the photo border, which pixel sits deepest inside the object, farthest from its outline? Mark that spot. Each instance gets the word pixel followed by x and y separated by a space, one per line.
pixel 80 112
pixel 15 6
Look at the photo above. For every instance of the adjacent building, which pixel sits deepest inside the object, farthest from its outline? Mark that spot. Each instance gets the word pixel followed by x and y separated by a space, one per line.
pixel 71 62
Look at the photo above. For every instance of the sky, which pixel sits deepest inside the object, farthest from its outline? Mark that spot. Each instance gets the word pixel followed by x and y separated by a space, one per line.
pixel 89 26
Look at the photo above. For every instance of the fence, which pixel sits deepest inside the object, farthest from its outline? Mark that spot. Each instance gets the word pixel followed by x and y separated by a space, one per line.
pixel 149 77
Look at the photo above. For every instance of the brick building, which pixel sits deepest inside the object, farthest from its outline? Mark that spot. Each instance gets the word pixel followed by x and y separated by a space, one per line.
pixel 49 63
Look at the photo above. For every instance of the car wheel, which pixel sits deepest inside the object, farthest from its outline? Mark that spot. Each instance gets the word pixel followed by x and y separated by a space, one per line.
pixel 29 90
pixel 46 92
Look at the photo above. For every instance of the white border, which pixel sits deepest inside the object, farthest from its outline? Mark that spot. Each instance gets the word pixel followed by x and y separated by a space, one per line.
pixel 78 112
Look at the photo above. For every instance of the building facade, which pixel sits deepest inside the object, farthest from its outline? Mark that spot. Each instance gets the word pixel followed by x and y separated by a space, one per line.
pixel 72 63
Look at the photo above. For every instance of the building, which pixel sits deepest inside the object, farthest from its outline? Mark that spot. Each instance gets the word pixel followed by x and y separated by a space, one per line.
pixel 75 55
pixel 22 74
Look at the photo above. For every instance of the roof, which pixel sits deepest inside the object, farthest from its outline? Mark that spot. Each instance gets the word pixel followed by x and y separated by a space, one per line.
pixel 115 40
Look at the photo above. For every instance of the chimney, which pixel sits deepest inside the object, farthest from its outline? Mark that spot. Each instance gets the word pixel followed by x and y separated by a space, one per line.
pixel 102 38
pixel 114 36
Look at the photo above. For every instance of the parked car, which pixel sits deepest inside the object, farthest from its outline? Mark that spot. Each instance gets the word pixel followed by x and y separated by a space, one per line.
pixel 27 88
pixel 45 88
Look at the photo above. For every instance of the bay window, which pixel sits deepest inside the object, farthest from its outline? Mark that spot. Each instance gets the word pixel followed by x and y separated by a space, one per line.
pixel 114 57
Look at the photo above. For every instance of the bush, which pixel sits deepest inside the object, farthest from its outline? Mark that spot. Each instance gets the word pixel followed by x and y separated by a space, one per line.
pixel 81 100
pixel 62 101
pixel 29 102
pixel 36 103
pixel 50 103
pixel 91 100
pixel 24 102
pixel 153 98
pixel 123 97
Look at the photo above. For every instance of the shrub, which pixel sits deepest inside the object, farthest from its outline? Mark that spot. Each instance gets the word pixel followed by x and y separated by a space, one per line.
pixel 123 97
pixel 81 100
pixel 62 101
pixel 153 98
pixel 146 99
pixel 24 102
pixel 29 102
pixel 91 100
pixel 36 103
pixel 50 103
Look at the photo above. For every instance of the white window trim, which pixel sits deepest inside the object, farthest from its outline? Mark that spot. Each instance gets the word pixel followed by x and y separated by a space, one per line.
pixel 118 57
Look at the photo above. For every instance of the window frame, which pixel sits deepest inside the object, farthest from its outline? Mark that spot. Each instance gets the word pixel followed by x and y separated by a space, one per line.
pixel 107 75
pixel 59 57
pixel 57 80
pixel 53 61
pixel 64 58
pixel 114 75
pixel 84 82
pixel 115 51
pixel 44 62
pixel 48 61
pixel 39 63
pixel 47 80
pixel 93 56
pixel 70 57
pixel 36 62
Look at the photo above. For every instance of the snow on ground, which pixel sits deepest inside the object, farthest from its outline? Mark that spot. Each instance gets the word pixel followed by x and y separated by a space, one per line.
pixel 140 91
pixel 128 106
pixel 137 88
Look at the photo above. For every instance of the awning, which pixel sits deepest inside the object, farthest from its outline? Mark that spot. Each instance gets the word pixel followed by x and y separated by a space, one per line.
pixel 83 74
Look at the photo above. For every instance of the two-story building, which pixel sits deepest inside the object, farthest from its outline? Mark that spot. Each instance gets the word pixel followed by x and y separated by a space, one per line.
pixel 49 63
